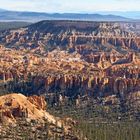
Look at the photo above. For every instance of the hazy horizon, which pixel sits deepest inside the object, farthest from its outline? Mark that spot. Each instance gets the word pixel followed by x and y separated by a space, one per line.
pixel 124 8
pixel 74 6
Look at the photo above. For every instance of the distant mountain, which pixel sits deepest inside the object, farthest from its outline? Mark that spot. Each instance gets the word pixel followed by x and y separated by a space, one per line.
pixel 127 14
pixel 2 9
pixel 35 16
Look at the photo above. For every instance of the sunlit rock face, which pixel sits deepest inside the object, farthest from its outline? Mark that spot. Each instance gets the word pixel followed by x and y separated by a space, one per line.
pixel 72 58
pixel 83 37
pixel 15 106
pixel 18 106
pixel 69 73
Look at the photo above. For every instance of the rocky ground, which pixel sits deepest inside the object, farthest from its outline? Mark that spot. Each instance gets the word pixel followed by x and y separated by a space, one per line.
pixel 26 118
pixel 24 130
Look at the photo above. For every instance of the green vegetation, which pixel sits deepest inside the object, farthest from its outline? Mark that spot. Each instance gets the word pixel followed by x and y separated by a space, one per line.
pixel 109 131
pixel 12 25
pixel 100 122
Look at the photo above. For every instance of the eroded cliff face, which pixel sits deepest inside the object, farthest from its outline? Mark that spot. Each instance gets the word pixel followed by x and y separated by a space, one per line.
pixel 15 107
pixel 72 35
pixel 71 75
pixel 39 101
pixel 74 59
pixel 29 113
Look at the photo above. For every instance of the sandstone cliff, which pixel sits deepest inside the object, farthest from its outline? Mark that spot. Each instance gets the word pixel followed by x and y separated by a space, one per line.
pixel 98 74
pixel 72 35
pixel 16 106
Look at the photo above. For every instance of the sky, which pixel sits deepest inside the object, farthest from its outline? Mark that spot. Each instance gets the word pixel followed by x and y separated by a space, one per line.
pixel 70 6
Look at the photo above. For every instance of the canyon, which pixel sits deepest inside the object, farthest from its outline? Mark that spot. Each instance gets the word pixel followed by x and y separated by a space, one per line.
pixel 69 74
pixel 83 37
pixel 57 67
pixel 72 58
